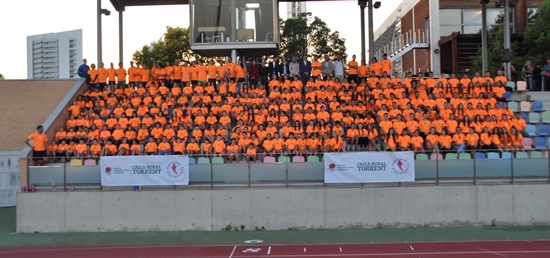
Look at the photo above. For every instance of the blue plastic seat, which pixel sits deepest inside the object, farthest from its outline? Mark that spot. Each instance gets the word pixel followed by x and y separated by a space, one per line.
pixel 531 130
pixel 524 116
pixel 537 106
pixel 544 130
pixel 540 143
pixel 507 95
pixel 507 155
pixel 493 155
pixel 534 118
pixel 479 155
pixel 192 160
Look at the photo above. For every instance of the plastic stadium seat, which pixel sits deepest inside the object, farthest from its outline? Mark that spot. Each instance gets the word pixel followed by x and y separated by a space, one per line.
pixel 537 106
pixel 507 155
pixel 451 156
pixel 546 117
pixel 479 155
pixel 344 146
pixel 192 160
pixel 534 118
pixel 524 116
pixel 436 156
pixel 540 143
pixel 269 159
pixel 76 163
pixel 507 95
pixel 313 159
pixel 494 155
pixel 531 130
pixel 544 130
pixel 511 85
pixel 537 155
pixel 284 159
pixel 421 156
pixel 522 155
pixel 464 156
pixel 525 106
pixel 90 162
pixel 298 159
pixel 546 154
pixel 513 106
pixel 521 86
pixel 527 143
pixel 217 160
pixel 203 160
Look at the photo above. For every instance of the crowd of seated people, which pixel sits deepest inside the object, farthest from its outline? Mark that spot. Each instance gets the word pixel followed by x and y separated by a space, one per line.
pixel 212 110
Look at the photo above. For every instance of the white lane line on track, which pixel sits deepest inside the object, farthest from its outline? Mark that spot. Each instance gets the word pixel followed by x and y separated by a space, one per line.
pixel 269 250
pixel 411 247
pixel 340 249
pixel 232 252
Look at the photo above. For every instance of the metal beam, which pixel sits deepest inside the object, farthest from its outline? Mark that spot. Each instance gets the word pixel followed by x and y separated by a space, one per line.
pixel 99 54
pixel 120 38
pixel 371 31
pixel 507 36
pixel 362 5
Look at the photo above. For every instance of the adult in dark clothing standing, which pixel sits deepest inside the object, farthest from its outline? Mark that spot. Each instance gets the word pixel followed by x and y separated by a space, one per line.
pixel 83 71
pixel 264 72
pixel 274 67
pixel 305 70
pixel 537 78
pixel 254 73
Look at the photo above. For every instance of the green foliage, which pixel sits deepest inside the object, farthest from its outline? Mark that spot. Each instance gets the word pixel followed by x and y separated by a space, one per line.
pixel 496 45
pixel 176 45
pixel 310 35
pixel 537 35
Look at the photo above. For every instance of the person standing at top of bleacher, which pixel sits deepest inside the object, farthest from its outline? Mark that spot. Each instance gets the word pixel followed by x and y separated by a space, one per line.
pixel 121 75
pixel 83 71
pixel 352 69
pixel 386 64
pixel 39 145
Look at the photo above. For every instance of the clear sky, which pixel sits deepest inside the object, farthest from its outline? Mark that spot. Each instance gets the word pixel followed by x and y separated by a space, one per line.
pixel 142 25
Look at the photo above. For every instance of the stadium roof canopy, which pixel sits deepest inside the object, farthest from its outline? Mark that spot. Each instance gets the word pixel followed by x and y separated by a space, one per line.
pixel 120 5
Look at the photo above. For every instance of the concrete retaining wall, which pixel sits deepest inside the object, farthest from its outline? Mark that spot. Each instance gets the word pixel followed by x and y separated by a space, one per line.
pixel 281 209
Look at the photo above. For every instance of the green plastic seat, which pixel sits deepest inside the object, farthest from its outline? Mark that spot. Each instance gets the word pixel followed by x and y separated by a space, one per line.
pixel 217 160
pixel 522 155
pixel 451 156
pixel 546 117
pixel 421 156
pixel 313 159
pixel 537 154
pixel 284 159
pixel 464 156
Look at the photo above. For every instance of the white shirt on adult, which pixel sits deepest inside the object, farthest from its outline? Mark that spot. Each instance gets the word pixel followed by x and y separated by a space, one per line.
pixel 338 68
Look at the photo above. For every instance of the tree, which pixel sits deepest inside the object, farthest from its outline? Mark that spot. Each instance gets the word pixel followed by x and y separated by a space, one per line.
pixel 306 34
pixel 537 35
pixel 495 39
pixel 176 45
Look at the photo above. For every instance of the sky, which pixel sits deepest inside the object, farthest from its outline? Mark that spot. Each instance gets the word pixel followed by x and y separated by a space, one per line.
pixel 142 25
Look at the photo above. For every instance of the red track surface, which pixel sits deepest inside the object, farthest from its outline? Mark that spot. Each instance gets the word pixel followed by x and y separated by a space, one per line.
pixel 481 249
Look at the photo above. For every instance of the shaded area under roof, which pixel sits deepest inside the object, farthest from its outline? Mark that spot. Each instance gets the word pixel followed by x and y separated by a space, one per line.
pixel 120 5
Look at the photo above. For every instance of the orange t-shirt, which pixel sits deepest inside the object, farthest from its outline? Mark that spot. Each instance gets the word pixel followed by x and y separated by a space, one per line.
pixel 39 141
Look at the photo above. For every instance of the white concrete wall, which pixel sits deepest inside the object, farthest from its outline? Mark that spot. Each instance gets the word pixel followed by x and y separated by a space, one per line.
pixel 281 209
pixel 9 177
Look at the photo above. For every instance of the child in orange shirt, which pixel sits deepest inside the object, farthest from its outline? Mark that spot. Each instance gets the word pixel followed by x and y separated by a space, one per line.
pixel 251 153
pixel 233 151
pixel 164 147
pixel 193 148
pixel 151 147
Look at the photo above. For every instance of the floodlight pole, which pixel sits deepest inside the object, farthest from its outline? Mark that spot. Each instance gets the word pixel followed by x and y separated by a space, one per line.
pixel 371 31
pixel 120 38
pixel 507 36
pixel 99 54
pixel 362 5
pixel 484 43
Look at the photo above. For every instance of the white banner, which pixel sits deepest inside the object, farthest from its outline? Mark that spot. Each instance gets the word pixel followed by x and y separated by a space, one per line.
pixel 144 170
pixel 369 167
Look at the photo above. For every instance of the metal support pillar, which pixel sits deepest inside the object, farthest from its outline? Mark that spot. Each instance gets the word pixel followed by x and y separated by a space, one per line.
pixel 120 38
pixel 99 54
pixel 371 31
pixel 362 5
pixel 484 47
pixel 507 36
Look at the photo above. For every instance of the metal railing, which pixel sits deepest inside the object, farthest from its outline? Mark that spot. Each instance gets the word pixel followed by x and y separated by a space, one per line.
pixel 434 168
pixel 406 39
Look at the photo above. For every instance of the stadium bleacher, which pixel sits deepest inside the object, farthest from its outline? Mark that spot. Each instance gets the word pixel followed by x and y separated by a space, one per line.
pixel 201 112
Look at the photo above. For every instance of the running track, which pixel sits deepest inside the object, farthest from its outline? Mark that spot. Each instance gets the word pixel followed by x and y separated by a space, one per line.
pixel 481 249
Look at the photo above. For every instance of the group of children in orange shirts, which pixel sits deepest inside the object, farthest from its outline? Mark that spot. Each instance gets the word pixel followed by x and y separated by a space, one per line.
pixel 235 120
